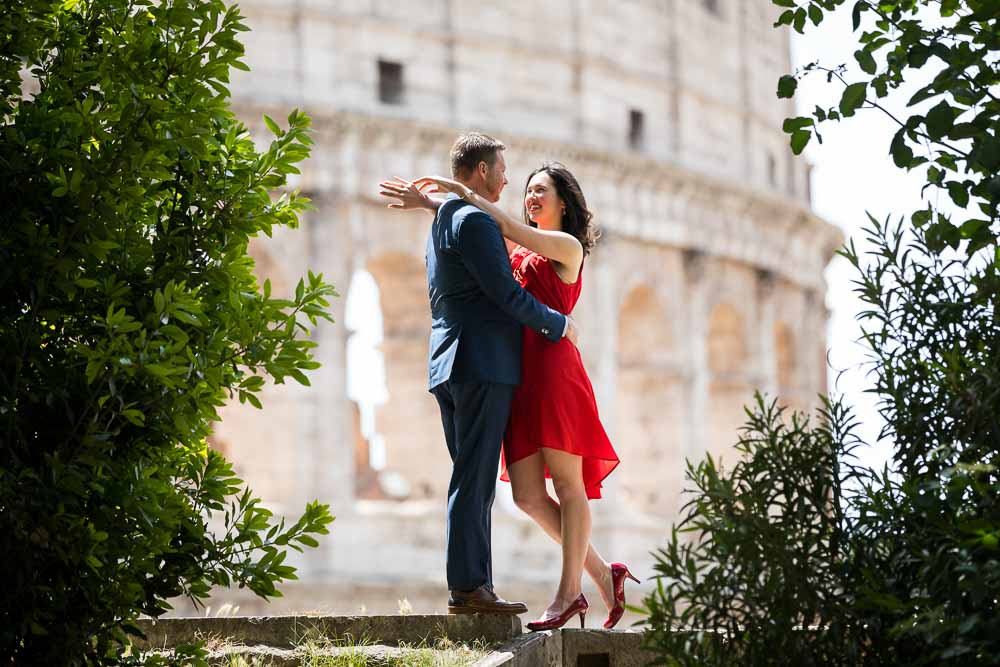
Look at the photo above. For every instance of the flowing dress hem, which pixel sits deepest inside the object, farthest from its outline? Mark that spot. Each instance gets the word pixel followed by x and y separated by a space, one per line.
pixel 593 488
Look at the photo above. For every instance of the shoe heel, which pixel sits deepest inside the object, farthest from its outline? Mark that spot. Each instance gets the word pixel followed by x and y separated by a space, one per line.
pixel 632 577
pixel 583 616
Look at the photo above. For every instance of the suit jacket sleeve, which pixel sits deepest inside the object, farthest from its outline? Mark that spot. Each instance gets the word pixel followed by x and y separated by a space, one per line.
pixel 485 256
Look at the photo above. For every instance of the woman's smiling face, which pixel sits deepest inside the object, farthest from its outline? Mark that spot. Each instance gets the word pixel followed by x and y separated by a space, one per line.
pixel 542 202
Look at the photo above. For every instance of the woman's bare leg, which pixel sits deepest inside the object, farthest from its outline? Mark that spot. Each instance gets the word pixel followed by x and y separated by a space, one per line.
pixel 527 478
pixel 567 478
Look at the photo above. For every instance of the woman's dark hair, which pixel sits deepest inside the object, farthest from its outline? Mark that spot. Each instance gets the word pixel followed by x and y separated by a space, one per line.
pixel 578 220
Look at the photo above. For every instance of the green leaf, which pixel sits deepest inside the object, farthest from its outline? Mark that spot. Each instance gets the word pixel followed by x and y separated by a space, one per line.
pixel 135 417
pixel 852 98
pixel 940 120
pixel 799 123
pixel 186 317
pixel 799 22
pixel 308 540
pixel 866 61
pixel 859 7
pixel 815 14
pixel 94 366
pixel 785 18
pixel 158 370
pixel 964 131
pixel 959 193
pixel 970 228
pixel 800 138
pixel 921 218
pixel 786 86
pixel 901 153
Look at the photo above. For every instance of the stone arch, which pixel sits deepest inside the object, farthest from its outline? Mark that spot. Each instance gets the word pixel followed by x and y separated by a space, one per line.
pixel 650 407
pixel 416 459
pixel 730 388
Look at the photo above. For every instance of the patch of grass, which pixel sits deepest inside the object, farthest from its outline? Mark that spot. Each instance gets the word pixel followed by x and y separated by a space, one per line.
pixel 241 661
pixel 445 653
pixel 442 653
pixel 317 651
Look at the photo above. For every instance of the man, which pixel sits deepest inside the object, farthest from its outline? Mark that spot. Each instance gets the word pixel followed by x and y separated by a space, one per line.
pixel 475 361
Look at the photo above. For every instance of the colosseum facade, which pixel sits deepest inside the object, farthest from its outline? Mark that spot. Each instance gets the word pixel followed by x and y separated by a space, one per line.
pixel 707 283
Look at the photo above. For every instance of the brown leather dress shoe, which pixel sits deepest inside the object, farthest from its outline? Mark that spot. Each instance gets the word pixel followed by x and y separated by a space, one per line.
pixel 482 601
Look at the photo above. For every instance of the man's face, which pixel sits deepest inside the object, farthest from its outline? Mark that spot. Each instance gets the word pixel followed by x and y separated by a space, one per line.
pixel 495 178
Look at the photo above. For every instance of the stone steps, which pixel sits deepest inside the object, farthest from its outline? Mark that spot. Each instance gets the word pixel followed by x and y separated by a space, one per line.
pixel 289 641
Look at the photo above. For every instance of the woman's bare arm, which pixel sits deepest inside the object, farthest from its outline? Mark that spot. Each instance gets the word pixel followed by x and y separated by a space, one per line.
pixel 560 247
pixel 411 197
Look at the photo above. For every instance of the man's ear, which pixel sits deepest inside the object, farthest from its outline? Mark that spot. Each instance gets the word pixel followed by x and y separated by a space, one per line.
pixel 483 168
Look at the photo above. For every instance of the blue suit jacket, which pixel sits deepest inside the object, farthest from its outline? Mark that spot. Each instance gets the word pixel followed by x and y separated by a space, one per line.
pixel 476 305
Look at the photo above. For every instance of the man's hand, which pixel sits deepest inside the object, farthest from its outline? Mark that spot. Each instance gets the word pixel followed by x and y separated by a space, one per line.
pixel 572 333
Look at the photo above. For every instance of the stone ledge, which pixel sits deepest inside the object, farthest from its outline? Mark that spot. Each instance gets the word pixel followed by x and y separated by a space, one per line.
pixel 289 631
pixel 535 649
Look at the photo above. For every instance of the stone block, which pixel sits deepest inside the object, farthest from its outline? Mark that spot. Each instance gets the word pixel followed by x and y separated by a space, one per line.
pixel 536 649
pixel 593 648
pixel 290 631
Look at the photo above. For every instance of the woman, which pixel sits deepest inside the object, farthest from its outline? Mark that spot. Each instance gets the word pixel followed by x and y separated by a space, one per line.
pixel 554 430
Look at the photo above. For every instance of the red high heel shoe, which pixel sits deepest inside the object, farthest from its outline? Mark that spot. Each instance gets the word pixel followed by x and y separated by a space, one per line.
pixel 619 571
pixel 578 606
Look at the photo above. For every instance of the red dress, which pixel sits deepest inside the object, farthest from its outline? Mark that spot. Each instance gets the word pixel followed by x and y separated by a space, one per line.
pixel 554 406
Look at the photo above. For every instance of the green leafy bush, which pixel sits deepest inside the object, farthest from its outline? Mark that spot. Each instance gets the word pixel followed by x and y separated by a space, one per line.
pixel 925 551
pixel 899 567
pixel 758 561
pixel 130 315
pixel 800 556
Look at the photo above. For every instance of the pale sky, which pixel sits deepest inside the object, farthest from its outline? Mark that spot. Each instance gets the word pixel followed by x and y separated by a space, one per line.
pixel 853 173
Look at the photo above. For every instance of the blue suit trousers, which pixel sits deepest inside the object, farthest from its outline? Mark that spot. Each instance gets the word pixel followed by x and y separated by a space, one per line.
pixel 474 416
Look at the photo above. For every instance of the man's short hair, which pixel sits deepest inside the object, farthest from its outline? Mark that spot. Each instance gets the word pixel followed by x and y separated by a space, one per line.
pixel 472 148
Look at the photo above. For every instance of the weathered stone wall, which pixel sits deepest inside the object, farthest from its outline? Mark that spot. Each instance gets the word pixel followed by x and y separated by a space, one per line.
pixel 707 283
